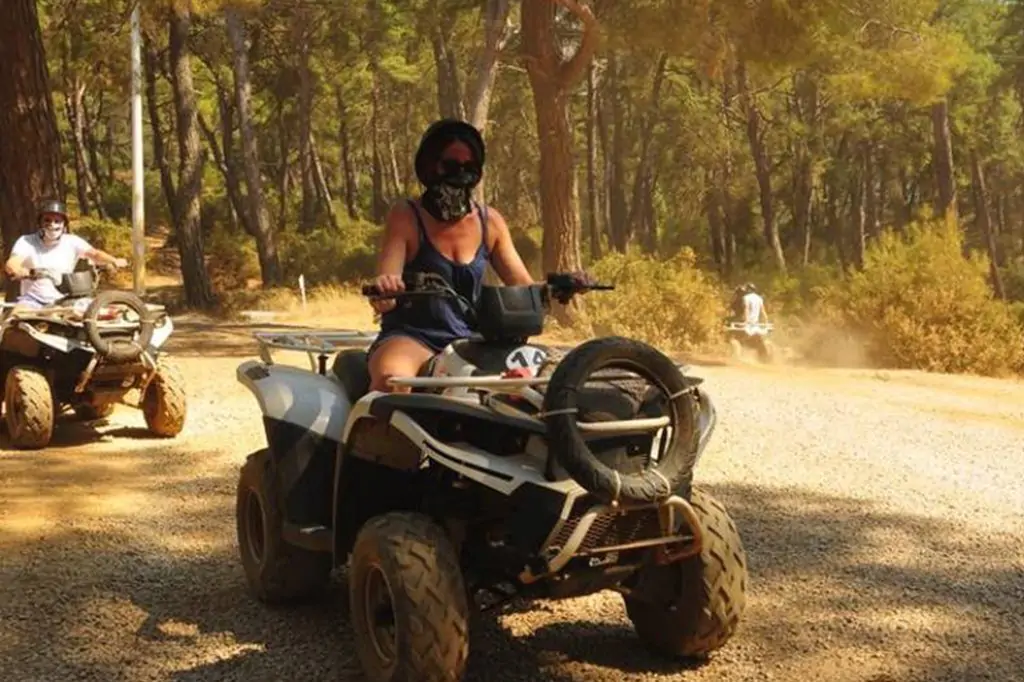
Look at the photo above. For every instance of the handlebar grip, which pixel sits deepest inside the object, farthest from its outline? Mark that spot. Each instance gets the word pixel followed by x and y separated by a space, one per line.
pixel 370 290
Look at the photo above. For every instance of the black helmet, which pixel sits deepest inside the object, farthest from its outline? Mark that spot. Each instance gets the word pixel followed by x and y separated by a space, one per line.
pixel 52 206
pixel 750 288
pixel 438 136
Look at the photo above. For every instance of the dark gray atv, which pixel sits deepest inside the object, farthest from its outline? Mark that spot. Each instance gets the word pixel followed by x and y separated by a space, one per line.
pixel 504 472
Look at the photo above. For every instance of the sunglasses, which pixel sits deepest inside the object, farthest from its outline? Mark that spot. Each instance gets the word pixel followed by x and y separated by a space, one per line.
pixel 454 166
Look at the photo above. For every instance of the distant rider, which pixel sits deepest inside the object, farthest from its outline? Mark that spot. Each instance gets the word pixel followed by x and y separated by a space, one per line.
pixel 52 251
pixel 753 306
pixel 747 306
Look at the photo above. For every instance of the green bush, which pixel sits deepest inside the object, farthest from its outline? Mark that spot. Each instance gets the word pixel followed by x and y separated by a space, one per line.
pixel 114 237
pixel 918 303
pixel 668 303
pixel 1013 280
pixel 327 256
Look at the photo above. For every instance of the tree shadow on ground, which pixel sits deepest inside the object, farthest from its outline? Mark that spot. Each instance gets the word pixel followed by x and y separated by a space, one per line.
pixel 153 590
pixel 916 597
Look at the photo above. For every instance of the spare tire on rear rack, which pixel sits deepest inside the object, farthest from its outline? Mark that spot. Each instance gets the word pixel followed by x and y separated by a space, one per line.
pixel 119 349
pixel 673 471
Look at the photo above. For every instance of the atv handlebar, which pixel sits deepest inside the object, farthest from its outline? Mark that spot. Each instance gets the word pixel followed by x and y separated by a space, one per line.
pixel 560 286
pixel 49 273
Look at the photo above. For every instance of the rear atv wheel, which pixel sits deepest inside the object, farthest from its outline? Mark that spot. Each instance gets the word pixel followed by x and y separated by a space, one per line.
pixel 276 571
pixel 693 607
pixel 736 348
pixel 28 408
pixel 408 601
pixel 164 404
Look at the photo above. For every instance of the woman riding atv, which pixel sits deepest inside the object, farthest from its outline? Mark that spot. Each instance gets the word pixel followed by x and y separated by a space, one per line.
pixel 440 232
pixel 40 259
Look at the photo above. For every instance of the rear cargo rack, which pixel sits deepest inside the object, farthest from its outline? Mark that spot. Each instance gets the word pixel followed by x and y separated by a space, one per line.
pixel 316 344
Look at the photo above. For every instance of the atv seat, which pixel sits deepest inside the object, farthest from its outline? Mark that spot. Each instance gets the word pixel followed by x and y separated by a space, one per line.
pixel 351 368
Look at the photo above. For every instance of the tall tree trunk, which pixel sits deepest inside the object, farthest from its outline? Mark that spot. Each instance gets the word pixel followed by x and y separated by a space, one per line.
pixel 348 171
pixel 859 190
pixel 607 169
pixel 809 150
pixel 159 150
pixel 650 218
pixel 88 188
pixel 308 211
pixel 283 150
pixel 551 80
pixel 266 243
pixel 882 203
pixel 592 213
pixel 716 230
pixel 1002 229
pixel 945 180
pixel 392 161
pixel 92 146
pixel 762 168
pixel 497 28
pixel 870 191
pixel 618 222
pixel 30 153
pixel 71 88
pixel 984 218
pixel 225 159
pixel 449 92
pixel 323 191
pixel 642 178
pixel 198 289
pixel 379 202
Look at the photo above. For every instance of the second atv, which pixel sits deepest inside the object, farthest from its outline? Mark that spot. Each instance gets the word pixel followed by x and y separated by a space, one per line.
pixel 87 352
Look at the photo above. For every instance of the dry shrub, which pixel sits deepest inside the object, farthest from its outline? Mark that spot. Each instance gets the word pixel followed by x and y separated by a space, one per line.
pixel 231 260
pixel 667 303
pixel 327 306
pixel 111 236
pixel 919 304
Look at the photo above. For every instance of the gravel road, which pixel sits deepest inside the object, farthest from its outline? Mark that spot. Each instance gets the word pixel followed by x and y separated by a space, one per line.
pixel 883 515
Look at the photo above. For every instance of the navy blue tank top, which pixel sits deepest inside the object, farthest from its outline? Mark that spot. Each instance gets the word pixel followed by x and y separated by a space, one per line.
pixel 436 321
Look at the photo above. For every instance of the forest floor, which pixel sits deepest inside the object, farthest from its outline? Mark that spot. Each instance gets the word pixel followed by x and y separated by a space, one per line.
pixel 882 514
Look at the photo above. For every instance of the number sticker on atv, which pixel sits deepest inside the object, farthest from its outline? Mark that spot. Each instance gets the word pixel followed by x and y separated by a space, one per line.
pixel 526 357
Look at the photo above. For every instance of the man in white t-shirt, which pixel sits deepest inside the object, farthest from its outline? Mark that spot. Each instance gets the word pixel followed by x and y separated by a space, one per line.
pixel 41 258
pixel 753 306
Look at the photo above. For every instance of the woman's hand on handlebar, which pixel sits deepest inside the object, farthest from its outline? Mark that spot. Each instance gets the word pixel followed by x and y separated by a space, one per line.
pixel 386 285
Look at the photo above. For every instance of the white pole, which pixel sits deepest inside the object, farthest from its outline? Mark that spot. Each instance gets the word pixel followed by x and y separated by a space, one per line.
pixel 138 195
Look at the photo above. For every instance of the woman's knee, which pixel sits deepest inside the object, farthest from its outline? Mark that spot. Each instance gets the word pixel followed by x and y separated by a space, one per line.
pixel 398 357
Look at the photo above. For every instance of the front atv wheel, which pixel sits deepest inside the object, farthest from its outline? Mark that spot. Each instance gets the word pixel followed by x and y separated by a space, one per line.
pixel 275 571
pixel 163 405
pixel 693 607
pixel 28 408
pixel 408 601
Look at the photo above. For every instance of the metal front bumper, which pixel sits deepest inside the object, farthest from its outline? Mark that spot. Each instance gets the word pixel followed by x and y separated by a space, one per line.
pixel 603 529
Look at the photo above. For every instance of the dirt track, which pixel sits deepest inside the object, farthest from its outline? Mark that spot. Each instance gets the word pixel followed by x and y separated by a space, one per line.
pixel 883 516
